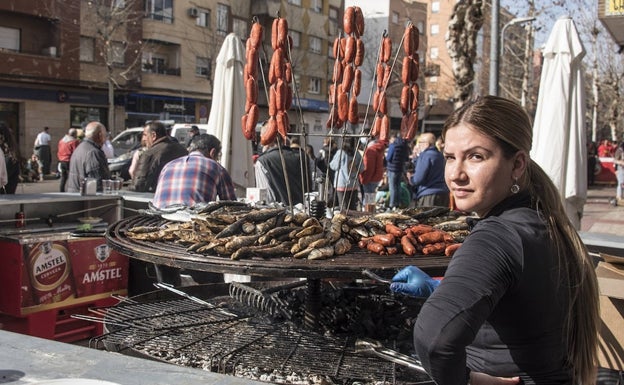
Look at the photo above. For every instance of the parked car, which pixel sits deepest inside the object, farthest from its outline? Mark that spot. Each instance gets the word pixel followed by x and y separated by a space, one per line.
pixel 124 144
pixel 180 131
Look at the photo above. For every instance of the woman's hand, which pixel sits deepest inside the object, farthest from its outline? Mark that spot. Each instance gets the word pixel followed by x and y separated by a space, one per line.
pixel 486 379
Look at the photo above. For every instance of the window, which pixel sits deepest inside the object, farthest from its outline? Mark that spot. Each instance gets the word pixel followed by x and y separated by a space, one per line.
pixel 395 17
pixel 421 27
pixel 435 7
pixel 435 29
pixel 297 81
pixel 202 67
pixel 316 5
pixel 315 44
pixel 318 125
pixel 10 39
pixel 295 2
pixel 203 18
pixel 161 10
pixel 296 37
pixel 333 13
pixel 314 85
pixel 239 27
pixel 117 53
pixel 119 4
pixel 433 53
pixel 223 16
pixel 87 50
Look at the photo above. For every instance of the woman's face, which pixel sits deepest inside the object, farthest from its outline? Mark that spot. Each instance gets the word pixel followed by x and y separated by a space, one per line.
pixel 476 172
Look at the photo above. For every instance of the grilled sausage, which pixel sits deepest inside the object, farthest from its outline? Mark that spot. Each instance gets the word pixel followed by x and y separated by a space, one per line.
pixel 414 91
pixel 406 70
pixel 359 53
pixel 415 70
pixel 283 124
pixel 348 20
pixel 404 101
pixel 278 62
pixel 359 22
pixel 353 117
pixel 268 136
pixel 376 127
pixel 280 93
pixel 380 74
pixel 394 230
pixel 376 248
pixel 434 248
pixel 251 90
pixel 343 105
pixel 347 77
pixel 338 52
pixel 244 126
pixel 386 49
pixel 252 120
pixel 255 36
pixel 274 33
pixel 357 81
pixel 384 129
pixel 282 32
pixel 272 100
pixel 288 72
pixel 337 75
pixel 350 49
pixel 451 249
pixel 407 246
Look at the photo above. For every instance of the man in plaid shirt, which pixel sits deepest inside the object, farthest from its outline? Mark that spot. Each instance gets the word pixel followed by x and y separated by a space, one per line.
pixel 196 177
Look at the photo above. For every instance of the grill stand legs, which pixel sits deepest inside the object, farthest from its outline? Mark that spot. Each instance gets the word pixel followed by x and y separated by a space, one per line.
pixel 312 304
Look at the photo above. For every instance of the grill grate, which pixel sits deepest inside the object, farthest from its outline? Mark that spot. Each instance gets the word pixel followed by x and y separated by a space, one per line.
pixel 242 342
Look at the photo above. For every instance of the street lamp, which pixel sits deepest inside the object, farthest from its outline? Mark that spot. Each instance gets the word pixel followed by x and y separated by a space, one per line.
pixel 495 67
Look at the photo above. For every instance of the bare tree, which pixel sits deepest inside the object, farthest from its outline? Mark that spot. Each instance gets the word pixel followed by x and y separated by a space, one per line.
pixel 461 42
pixel 116 25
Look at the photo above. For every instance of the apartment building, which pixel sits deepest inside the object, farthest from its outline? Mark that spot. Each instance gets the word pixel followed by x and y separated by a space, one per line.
pixel 61 57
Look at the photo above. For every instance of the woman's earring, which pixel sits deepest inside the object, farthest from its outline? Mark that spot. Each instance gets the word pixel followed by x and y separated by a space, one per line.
pixel 515 188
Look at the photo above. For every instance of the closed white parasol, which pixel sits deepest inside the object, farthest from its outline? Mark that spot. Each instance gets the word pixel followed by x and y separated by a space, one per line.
pixel 559 142
pixel 228 106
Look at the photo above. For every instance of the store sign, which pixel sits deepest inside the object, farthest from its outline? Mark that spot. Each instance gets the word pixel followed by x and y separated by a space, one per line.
pixel 173 107
pixel 614 7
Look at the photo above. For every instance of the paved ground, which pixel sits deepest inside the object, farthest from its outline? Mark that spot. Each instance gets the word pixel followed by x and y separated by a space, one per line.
pixel 599 215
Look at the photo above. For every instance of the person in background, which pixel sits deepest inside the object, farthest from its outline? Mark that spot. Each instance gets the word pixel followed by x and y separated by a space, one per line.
pixel 397 156
pixel 270 173
pixel 193 132
pixel 107 147
pixel 42 149
pixel 88 160
pixel 66 147
pixel 373 171
pixel 160 151
pixel 33 166
pixel 347 164
pixel 4 176
pixel 135 157
pixel 11 158
pixel 592 159
pixel 169 131
pixel 519 299
pixel 618 162
pixel 427 180
pixel 322 164
pixel 196 177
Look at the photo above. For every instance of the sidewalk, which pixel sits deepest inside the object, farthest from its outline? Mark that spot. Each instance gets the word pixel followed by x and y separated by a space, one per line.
pixel 599 216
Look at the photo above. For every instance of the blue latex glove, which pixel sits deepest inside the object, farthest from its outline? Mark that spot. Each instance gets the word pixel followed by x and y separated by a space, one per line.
pixel 414 282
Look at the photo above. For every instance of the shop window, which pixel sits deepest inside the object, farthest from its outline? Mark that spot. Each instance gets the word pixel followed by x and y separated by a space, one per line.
pixel 87 49
pixel 161 10
pixel 80 116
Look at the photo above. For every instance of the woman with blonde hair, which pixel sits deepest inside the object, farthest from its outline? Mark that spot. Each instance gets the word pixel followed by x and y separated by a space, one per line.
pixel 519 300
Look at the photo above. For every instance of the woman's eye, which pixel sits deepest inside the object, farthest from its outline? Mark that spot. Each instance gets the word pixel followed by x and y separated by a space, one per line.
pixel 476 156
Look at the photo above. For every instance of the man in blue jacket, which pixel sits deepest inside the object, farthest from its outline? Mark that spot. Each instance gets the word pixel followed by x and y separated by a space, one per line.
pixel 428 185
pixel 397 156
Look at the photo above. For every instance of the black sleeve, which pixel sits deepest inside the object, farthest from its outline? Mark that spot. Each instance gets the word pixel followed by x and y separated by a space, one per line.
pixel 480 273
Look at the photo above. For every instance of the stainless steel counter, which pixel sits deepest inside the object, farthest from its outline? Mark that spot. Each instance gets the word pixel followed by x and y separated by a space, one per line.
pixel 31 360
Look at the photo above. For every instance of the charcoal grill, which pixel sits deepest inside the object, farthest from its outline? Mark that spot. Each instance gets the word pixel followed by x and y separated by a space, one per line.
pixel 349 265
pixel 229 337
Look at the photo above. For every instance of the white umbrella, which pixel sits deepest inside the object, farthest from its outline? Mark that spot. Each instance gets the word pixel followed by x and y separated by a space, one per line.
pixel 228 106
pixel 559 143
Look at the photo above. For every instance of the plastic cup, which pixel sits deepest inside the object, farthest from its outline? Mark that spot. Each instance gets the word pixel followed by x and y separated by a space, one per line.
pixel 116 186
pixel 107 186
